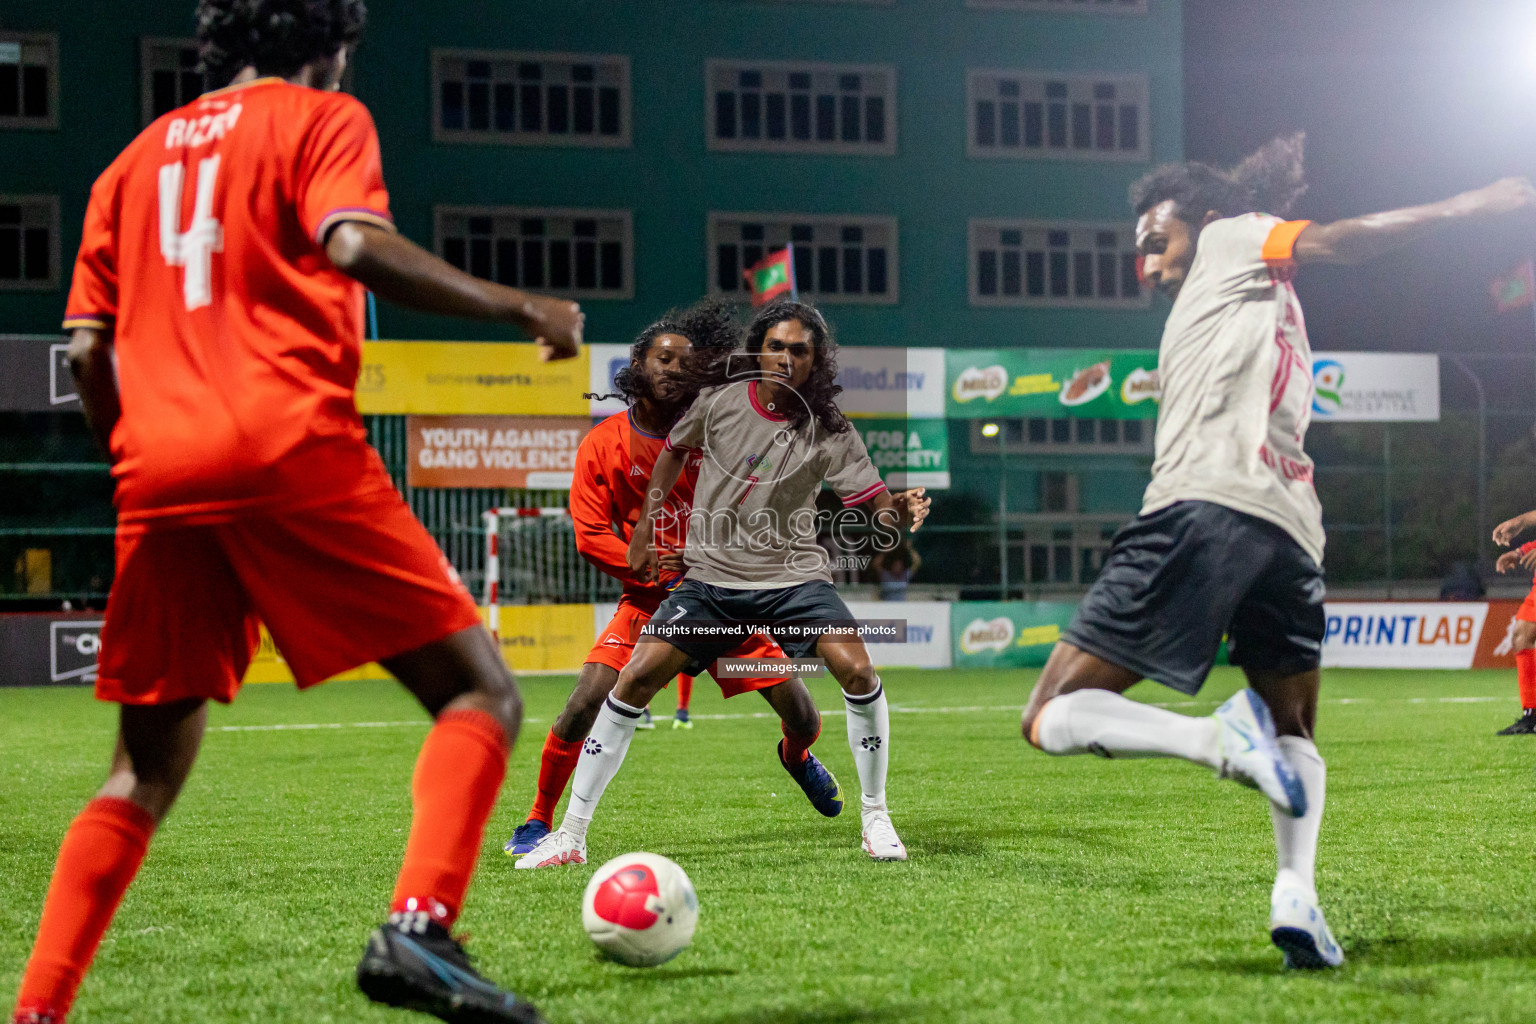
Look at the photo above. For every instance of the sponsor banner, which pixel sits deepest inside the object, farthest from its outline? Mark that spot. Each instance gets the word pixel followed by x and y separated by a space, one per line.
pixel 877 381
pixel 1053 383
pixel 908 452
pixel 34 375
pixel 49 648
pixel 493 451
pixel 1493 647
pixel 1360 387
pixel 886 381
pixel 605 361
pixel 928 624
pixel 1403 634
pixel 1007 634
pixel 547 637
pixel 469 377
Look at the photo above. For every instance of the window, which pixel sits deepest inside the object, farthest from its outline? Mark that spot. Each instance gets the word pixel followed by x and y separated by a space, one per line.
pixel 1038 115
pixel 580 254
pixel 786 107
pixel 837 259
pixel 1069 6
pixel 29 243
pixel 168 76
pixel 29 80
pixel 530 99
pixel 1039 435
pixel 1067 264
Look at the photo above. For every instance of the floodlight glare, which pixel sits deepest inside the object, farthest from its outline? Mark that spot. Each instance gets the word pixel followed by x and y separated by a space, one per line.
pixel 989 430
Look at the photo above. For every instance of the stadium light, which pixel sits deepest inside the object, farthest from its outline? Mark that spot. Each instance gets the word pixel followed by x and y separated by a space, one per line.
pixel 989 430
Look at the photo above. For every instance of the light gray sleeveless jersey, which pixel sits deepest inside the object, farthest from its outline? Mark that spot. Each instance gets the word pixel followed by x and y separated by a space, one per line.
pixel 1236 375
pixel 753 524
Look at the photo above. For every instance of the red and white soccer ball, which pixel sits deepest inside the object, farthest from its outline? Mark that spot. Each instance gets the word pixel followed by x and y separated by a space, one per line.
pixel 640 909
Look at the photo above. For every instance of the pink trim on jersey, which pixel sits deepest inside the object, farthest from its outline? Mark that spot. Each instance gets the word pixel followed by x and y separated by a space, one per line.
pixel 864 495
pixel 764 413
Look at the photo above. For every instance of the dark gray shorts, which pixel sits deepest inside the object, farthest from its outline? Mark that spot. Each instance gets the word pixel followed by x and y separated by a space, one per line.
pixel 695 609
pixel 1180 578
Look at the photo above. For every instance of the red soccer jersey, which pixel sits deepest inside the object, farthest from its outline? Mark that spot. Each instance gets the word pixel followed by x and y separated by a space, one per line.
pixel 237 342
pixel 613 467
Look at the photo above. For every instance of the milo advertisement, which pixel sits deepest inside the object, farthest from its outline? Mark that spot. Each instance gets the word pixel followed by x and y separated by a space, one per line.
pixel 1007 634
pixel 908 453
pixel 1053 383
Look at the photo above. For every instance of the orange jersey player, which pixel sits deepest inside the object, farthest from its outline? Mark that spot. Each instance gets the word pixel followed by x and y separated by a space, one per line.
pixel 613 466
pixel 217 308
pixel 1522 631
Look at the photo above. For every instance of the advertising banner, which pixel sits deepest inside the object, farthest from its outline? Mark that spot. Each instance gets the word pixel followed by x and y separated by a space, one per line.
pixel 928 642
pixel 1403 634
pixel 49 648
pixel 464 377
pixel 493 451
pixel 877 381
pixel 1007 634
pixel 547 637
pixel 908 453
pixel 1053 383
pixel 1381 387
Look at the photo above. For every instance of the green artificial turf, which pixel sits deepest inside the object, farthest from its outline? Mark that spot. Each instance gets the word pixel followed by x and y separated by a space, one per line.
pixel 1069 889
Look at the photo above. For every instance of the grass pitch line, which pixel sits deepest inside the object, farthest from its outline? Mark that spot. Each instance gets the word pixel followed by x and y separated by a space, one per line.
pixel 896 709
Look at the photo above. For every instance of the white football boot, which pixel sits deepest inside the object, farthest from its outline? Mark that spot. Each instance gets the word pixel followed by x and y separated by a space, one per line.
pixel 1296 925
pixel 880 839
pixel 559 847
pixel 1250 755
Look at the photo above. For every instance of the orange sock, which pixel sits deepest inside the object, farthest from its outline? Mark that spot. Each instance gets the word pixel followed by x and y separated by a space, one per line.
pixel 556 766
pixel 1525 671
pixel 458 776
pixel 100 855
pixel 684 692
pixel 796 747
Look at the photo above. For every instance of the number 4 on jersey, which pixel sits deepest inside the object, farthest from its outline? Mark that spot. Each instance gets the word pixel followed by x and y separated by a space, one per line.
pixel 193 248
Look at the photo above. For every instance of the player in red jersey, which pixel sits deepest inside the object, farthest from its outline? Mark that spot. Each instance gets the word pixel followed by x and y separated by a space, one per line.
pixel 217 308
pixel 613 466
pixel 1522 631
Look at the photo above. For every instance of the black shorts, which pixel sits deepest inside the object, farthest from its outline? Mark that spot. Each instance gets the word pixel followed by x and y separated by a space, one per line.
pixel 691 619
pixel 1179 578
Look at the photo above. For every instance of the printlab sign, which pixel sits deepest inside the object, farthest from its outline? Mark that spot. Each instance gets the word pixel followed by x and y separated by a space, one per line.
pixel 493 451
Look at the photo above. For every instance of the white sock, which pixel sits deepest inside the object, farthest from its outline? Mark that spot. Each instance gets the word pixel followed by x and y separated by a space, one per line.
pixel 869 737
pixel 1107 724
pixel 601 754
pixel 1296 838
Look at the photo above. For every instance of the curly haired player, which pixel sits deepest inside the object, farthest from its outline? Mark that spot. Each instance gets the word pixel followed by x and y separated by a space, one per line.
pixel 217 311
pixel 613 465
pixel 1230 537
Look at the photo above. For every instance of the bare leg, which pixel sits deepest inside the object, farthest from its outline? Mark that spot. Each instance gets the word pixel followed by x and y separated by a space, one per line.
pixel 575 719
pixel 462 672
pixel 156 748
pixel 795 706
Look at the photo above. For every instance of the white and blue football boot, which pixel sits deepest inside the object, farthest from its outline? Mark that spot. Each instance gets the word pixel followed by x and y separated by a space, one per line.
pixel 1250 755
pixel 1297 927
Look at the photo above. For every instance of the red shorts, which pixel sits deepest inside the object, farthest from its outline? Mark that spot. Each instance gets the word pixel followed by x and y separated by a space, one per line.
pixel 616 645
pixel 338 586
pixel 1527 610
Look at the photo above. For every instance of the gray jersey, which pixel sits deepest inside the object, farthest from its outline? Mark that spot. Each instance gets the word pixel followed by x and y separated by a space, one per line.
pixel 753 523
pixel 1236 374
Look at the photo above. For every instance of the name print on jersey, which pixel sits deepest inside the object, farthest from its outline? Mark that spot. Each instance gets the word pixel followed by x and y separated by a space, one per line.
pixel 193 132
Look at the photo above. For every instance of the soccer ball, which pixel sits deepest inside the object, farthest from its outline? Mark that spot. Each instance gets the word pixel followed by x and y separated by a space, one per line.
pixel 640 909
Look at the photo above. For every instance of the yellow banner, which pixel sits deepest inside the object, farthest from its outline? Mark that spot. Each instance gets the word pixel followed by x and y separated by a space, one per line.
pixel 459 377
pixel 546 637
pixel 534 638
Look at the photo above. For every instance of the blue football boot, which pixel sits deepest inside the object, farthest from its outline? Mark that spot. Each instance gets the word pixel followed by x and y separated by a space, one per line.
pixel 525 837
pixel 820 786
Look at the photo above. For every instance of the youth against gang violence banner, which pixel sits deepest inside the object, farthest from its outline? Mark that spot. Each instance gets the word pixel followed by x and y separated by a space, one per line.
pixel 493 451
pixel 908 452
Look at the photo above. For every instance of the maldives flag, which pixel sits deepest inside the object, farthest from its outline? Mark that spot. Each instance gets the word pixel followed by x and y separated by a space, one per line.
pixel 772 276
pixel 1516 289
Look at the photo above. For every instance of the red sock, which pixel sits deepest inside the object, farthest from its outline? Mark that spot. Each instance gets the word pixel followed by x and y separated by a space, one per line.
pixel 555 769
pixel 458 775
pixel 684 692
pixel 796 747
pixel 100 855
pixel 1525 671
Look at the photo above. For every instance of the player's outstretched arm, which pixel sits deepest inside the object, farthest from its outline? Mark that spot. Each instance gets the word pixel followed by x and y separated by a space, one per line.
pixel 90 360
pixel 643 558
pixel 397 269
pixel 1505 533
pixel 1358 239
